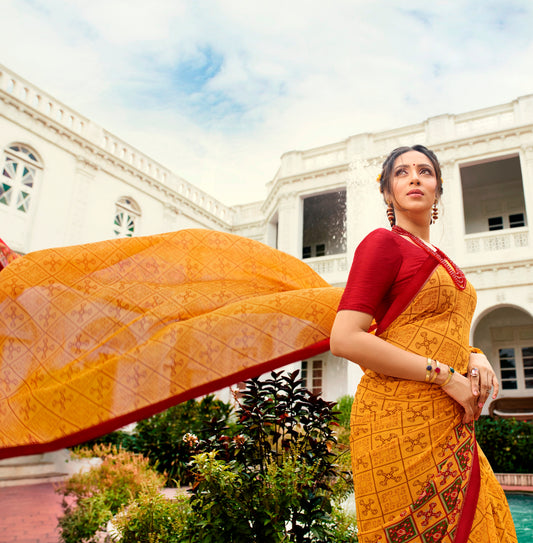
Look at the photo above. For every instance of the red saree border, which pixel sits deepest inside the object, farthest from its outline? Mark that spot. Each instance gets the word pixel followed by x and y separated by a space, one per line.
pixel 470 503
pixel 149 410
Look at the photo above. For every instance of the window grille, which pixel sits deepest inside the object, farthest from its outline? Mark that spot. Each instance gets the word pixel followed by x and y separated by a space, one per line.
pixel 516 220
pixel 495 223
pixel 127 214
pixel 19 173
pixel 312 375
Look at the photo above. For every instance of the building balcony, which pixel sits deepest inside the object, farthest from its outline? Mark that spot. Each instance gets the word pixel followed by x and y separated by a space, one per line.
pixel 498 246
pixel 333 268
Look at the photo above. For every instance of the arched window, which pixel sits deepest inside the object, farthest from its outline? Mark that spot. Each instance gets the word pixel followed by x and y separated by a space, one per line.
pixel 19 173
pixel 127 213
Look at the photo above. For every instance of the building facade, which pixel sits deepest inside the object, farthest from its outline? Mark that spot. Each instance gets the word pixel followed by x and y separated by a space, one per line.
pixel 66 180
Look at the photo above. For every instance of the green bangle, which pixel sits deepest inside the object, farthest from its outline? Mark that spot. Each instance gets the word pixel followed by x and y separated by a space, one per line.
pixel 451 371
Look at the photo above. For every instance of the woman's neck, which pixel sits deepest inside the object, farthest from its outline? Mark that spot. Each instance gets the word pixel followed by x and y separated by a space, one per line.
pixel 419 230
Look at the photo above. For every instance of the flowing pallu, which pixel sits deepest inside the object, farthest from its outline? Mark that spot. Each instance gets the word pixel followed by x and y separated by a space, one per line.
pixel 419 475
pixel 96 336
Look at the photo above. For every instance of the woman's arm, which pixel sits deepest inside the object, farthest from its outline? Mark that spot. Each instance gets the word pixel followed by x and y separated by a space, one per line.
pixel 350 339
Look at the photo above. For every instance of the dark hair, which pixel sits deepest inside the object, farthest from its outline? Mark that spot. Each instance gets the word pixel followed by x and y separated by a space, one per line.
pixel 386 170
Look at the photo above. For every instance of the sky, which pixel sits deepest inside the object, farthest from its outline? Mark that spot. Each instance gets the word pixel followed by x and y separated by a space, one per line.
pixel 217 91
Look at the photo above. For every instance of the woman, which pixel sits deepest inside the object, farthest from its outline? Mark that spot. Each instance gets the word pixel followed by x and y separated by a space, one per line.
pixel 419 474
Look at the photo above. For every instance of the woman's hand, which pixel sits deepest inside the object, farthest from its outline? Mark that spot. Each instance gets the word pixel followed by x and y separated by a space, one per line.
pixel 482 380
pixel 460 390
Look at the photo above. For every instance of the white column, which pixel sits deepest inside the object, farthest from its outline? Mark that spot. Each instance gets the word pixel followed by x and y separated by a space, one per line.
pixel 290 225
pixel 364 204
pixel 526 163
pixel 85 173
pixel 449 231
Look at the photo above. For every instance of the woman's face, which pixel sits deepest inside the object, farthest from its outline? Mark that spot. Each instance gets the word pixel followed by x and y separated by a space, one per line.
pixel 413 183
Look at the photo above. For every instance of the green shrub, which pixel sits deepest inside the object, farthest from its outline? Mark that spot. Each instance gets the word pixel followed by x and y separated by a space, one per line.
pixel 343 526
pixel 230 505
pixel 92 497
pixel 272 477
pixel 274 480
pixel 342 449
pixel 118 439
pixel 152 518
pixel 83 518
pixel 162 439
pixel 344 407
pixel 507 443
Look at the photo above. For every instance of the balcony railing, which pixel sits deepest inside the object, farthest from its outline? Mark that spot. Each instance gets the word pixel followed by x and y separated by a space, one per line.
pixel 328 265
pixel 499 240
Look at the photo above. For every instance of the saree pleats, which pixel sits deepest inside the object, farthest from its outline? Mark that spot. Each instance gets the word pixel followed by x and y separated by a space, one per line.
pixel 419 475
pixel 96 336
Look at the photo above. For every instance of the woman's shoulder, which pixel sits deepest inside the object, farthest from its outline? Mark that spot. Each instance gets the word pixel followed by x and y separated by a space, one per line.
pixel 381 237
pixel 379 244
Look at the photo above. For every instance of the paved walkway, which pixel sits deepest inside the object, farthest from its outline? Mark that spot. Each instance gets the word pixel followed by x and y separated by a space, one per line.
pixel 28 514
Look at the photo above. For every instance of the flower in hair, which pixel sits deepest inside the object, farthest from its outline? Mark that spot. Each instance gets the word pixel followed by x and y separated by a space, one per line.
pixel 378 178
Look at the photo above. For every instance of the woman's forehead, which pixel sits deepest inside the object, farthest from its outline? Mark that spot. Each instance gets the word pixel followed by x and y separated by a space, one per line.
pixel 412 158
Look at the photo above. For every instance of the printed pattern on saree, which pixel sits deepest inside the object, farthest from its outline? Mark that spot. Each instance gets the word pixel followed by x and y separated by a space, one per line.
pixel 411 455
pixel 408 450
pixel 98 335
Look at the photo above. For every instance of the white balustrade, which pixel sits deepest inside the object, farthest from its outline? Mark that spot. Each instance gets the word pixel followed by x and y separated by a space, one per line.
pixel 499 240
pixel 327 265
pixel 468 124
pixel 60 114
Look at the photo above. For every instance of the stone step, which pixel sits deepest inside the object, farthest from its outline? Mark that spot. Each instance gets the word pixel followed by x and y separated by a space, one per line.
pixel 31 469
pixel 28 459
pixel 50 477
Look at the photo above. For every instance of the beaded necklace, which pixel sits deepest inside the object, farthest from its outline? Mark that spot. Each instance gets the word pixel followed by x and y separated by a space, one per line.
pixel 458 277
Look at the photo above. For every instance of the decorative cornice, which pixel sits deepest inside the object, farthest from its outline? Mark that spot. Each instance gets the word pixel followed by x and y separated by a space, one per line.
pixel 85 163
pixel 281 182
pixel 478 273
pixel 100 158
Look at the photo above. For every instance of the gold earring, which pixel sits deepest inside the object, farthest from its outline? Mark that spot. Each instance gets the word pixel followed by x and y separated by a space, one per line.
pixel 390 214
pixel 434 213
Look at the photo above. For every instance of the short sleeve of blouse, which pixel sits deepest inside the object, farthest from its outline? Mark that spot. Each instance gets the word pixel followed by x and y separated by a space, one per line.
pixel 375 266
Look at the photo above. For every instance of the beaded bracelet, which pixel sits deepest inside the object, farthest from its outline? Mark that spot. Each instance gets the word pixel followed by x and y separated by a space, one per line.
pixel 451 371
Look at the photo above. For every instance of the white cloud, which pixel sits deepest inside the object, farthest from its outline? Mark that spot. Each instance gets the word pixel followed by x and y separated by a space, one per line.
pixel 218 90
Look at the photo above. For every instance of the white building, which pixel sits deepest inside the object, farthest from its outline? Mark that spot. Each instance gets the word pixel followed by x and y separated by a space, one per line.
pixel 68 181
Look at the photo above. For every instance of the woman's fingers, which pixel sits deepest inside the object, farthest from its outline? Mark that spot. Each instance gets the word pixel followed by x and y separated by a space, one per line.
pixel 496 386
pixel 486 387
pixel 474 377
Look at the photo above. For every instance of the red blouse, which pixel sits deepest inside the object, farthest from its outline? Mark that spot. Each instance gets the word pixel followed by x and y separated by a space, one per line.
pixel 382 267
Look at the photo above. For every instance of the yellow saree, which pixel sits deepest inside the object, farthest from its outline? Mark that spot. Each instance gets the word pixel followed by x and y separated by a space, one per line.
pixel 96 336
pixel 419 475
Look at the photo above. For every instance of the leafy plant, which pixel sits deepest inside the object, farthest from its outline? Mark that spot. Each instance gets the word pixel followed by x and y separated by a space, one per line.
pixel 83 518
pixel 152 518
pixel 344 407
pixel 272 476
pixel 274 480
pixel 507 444
pixel 92 497
pixel 162 437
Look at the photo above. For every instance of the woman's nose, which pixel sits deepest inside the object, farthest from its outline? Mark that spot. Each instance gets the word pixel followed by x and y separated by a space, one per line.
pixel 414 178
